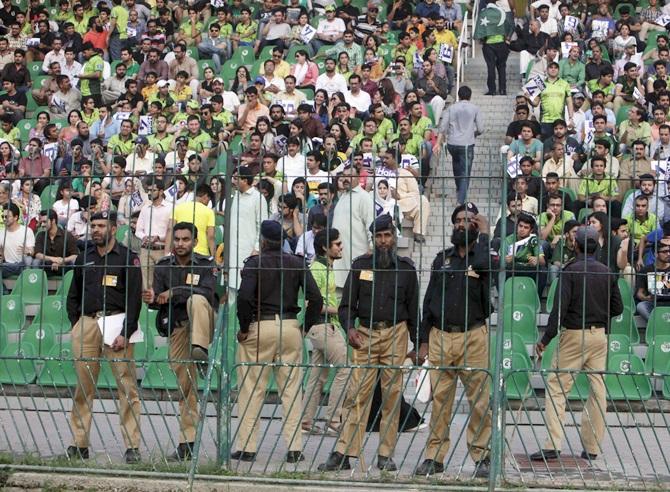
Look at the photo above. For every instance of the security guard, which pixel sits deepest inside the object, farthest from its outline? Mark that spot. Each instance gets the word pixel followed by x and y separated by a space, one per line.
pixel 102 288
pixel 184 294
pixel 589 298
pixel 267 308
pixel 454 333
pixel 382 292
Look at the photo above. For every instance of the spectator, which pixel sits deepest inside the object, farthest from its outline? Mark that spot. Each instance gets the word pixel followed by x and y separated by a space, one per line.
pixel 65 206
pixel 432 90
pixel 563 251
pixel 553 100
pixel 514 208
pixel 647 187
pixel 653 282
pixel 17 242
pixel 523 253
pixel 55 248
pixel 562 166
pixel 552 223
pixel 599 184
pixel 305 243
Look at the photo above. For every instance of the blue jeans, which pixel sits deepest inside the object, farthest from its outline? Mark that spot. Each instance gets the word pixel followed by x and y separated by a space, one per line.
pixel 644 308
pixel 217 54
pixel 115 46
pixel 461 157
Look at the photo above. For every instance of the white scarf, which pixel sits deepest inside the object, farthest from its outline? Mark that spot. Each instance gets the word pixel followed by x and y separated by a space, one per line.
pixel 300 73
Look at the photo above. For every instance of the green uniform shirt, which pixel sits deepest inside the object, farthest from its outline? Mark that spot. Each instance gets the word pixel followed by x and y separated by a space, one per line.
pixel 607 186
pixel 377 140
pixel 225 117
pixel 247 33
pixel 385 129
pixel 572 74
pixel 120 14
pixel 419 128
pixel 524 252
pixel 413 145
pixel 563 254
pixel 123 147
pixel 553 100
pixel 92 86
pixel 640 228
pixel 557 230
pixel 593 86
pixel 200 142
pixel 161 144
pixel 325 281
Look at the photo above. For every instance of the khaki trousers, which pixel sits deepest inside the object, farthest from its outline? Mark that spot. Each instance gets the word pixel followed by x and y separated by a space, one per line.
pixel 270 341
pixel 578 349
pixel 198 331
pixel 385 347
pixel 148 260
pixel 328 347
pixel 419 215
pixel 469 349
pixel 87 342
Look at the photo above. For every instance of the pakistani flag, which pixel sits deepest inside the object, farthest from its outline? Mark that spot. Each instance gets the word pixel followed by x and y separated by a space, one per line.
pixel 492 22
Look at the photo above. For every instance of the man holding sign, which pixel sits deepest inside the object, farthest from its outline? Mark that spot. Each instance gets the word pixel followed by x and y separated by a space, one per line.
pixel 97 296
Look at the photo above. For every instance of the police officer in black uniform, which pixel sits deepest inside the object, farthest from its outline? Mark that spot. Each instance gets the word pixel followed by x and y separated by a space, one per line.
pixel 101 290
pixel 454 334
pixel 267 308
pixel 382 292
pixel 184 294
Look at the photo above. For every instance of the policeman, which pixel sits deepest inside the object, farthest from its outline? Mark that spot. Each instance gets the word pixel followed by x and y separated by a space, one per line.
pixel 382 292
pixel 589 298
pixel 101 299
pixel 267 309
pixel 454 333
pixel 186 300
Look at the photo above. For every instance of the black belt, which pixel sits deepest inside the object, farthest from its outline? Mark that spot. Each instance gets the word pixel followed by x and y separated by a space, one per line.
pixel 589 327
pixel 100 314
pixel 459 328
pixel 269 317
pixel 154 248
pixel 382 325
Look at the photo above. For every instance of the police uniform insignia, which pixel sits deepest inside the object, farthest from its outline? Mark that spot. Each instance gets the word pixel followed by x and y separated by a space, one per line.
pixel 366 275
pixel 447 262
pixel 471 273
pixel 192 279
pixel 110 280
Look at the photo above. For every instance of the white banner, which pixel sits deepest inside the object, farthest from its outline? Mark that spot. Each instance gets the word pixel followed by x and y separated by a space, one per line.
pixel 307 33
pixel 571 23
pixel 447 53
pixel 566 47
pixel 513 169
pixel 663 20
pixel 146 125
pixel 600 28
pixel 534 86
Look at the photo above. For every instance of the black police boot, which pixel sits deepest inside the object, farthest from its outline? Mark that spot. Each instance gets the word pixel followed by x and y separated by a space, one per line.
pixel 132 456
pixel 243 456
pixel 429 467
pixel 386 464
pixel 73 452
pixel 184 452
pixel 545 454
pixel 294 457
pixel 336 461
pixel 482 468
pixel 589 456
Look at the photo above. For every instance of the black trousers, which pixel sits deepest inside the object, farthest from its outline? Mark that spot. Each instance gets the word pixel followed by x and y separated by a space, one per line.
pixel 495 56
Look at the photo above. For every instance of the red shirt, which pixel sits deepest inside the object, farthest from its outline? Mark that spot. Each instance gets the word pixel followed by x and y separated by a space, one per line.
pixel 35 168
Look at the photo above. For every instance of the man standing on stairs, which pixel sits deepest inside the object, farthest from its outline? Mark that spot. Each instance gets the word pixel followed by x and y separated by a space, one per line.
pixel 454 334
pixel 461 124
pixel 492 29
pixel 589 297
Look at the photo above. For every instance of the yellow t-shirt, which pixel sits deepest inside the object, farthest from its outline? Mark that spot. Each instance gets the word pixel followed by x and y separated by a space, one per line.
pixel 200 215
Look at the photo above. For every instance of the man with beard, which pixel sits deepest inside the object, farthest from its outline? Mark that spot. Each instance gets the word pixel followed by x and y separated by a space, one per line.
pixel 98 294
pixel 454 333
pixel 382 293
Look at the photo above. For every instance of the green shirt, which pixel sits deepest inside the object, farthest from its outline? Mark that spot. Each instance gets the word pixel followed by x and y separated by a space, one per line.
pixel 607 186
pixel 562 253
pixel 377 140
pixel 92 86
pixel 161 144
pixel 640 228
pixel 419 128
pixel 557 230
pixel 120 14
pixel 553 99
pixel 593 86
pixel 573 74
pixel 385 129
pixel 200 142
pixel 524 252
pixel 247 33
pixel 123 147
pixel 413 145
pixel 133 69
pixel 13 136
pixel 325 281
pixel 355 53
pixel 225 117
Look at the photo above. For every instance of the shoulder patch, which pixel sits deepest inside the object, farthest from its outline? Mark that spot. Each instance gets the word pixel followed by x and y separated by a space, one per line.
pixel 407 260
pixel 362 257
pixel 250 257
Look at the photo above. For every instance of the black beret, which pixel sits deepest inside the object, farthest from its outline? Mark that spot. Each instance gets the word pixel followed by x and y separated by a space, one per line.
pixel 271 229
pixel 467 206
pixel 382 223
pixel 110 216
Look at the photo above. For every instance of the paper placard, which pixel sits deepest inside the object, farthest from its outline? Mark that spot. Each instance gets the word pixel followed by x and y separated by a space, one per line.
pixel 446 53
pixel 513 249
pixel 112 326
pixel 588 132
pixel 418 61
pixel 122 115
pixel 51 151
pixel 662 170
pixel 289 106
pixel 663 20
pixel 136 200
pixel 600 28
pixel 658 284
pixel 217 4
pixel 637 95
pixel 33 42
pixel 534 86
pixel 146 125
pixel 513 168
pixel 368 160
pixel 408 160
pixel 131 32
pixel 58 103
pixel 307 33
pixel 571 23
pixel 566 47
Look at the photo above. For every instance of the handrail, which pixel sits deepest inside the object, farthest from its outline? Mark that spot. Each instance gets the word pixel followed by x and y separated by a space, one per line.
pixel 462 54
pixel 475 18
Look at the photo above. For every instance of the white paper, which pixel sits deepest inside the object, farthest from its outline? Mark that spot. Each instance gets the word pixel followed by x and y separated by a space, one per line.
pixel 51 151
pixel 447 53
pixel 663 20
pixel 566 47
pixel 513 169
pixel 112 326
pixel 418 61
pixel 145 127
pixel 600 28
pixel 368 160
pixel 307 33
pixel 409 161
pixel 217 3
pixel 638 95
pixel 571 23
pixel 658 284
pixel 122 115
pixel 589 131
pixel 662 170
pixel 33 42
pixel 131 32
pixel 534 86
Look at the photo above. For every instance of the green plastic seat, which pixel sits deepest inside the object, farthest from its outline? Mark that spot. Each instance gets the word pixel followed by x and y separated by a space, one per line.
pixel 12 314
pixel 583 214
pixel 64 286
pixel 624 386
pixel 624 324
pixel 31 106
pixel 255 69
pixel 266 53
pixel 626 294
pixel 244 55
pixel 35 69
pixel 158 373
pixel 202 65
pixel 193 53
pixel 580 384
pixel 570 192
pixel 228 71
pixel 41 337
pixel 24 127
pixel 658 354
pixel 617 10
pixel 48 196
pixel 31 286
pixel 551 295
pixel 521 320
pixel 60 371
pixel 659 322
pixel 60 123
pixel 15 368
pixel 522 291
pixel 39 81
pixel 517 379
pixel 622 114
pixel 618 345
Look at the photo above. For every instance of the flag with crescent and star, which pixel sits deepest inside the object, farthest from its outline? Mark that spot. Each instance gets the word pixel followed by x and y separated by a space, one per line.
pixel 492 22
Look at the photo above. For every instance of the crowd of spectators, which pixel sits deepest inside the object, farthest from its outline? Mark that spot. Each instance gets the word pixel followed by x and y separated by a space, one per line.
pixel 589 141
pixel 141 107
